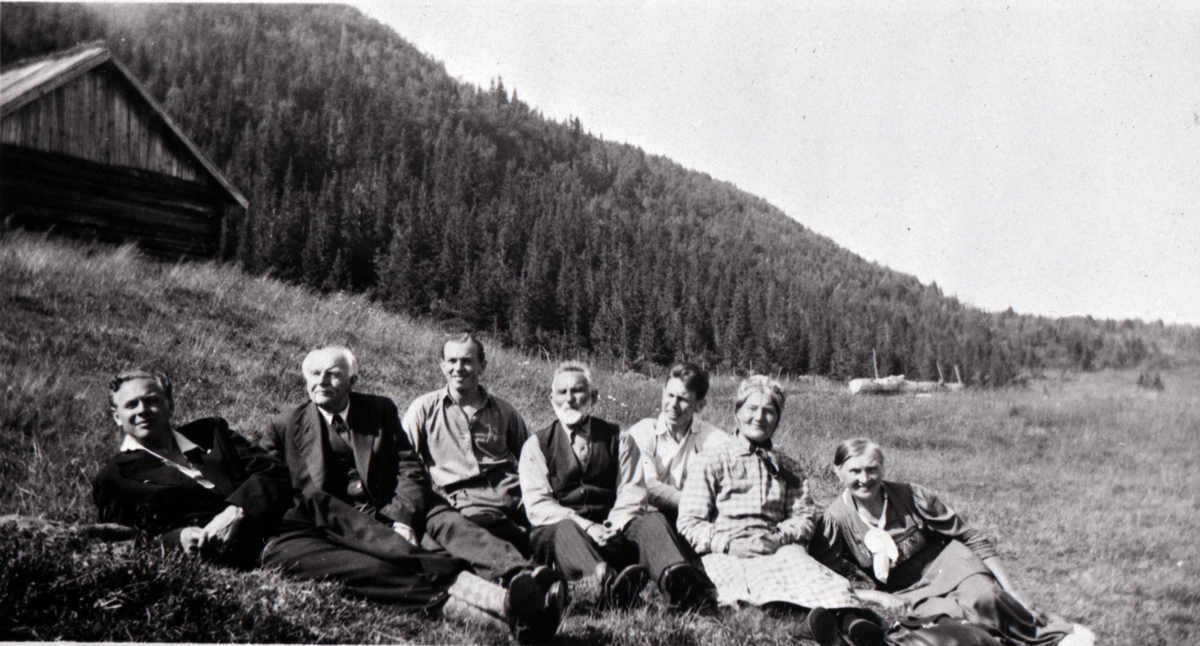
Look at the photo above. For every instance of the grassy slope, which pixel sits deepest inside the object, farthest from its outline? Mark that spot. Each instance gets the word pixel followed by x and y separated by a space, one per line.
pixel 1091 486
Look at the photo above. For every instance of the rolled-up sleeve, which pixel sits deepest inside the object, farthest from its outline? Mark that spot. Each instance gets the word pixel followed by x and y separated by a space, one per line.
pixel 541 507
pixel 631 487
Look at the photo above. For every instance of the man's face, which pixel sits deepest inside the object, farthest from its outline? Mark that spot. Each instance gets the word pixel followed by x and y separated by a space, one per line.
pixel 142 410
pixel 679 405
pixel 461 366
pixel 328 380
pixel 571 396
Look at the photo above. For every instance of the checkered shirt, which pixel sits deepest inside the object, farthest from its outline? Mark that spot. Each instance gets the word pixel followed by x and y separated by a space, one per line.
pixel 736 495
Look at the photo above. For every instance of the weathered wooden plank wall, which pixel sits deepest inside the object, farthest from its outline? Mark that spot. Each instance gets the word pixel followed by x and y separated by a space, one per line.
pixel 94 118
pixel 167 214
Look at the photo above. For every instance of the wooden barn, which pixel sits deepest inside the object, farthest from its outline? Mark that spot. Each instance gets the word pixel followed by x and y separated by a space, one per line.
pixel 85 150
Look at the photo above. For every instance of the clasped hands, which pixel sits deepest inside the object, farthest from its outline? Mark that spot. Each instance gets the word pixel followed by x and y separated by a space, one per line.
pixel 761 545
pixel 214 536
pixel 602 533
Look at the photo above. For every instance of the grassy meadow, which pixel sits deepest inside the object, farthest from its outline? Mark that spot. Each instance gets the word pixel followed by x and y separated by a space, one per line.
pixel 1090 484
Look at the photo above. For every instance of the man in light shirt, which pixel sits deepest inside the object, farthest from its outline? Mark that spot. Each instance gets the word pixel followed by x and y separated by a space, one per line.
pixel 673 441
pixel 469 441
pixel 585 497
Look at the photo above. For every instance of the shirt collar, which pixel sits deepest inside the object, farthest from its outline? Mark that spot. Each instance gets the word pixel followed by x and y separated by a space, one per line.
pixel 584 428
pixel 748 447
pixel 487 397
pixel 662 427
pixel 328 417
pixel 130 443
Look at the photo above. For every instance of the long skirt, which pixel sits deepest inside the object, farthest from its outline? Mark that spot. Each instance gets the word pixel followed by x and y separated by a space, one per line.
pixel 789 576
pixel 956 583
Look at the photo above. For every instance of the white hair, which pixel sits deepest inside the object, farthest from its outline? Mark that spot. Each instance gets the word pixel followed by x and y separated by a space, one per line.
pixel 334 352
pixel 578 368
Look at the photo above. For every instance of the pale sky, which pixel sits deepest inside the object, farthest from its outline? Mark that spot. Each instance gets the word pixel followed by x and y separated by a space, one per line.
pixel 1041 156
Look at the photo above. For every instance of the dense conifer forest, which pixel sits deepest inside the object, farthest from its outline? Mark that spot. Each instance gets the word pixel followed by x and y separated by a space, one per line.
pixel 369 169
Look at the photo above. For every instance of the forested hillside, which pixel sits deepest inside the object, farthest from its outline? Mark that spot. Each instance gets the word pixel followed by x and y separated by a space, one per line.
pixel 369 169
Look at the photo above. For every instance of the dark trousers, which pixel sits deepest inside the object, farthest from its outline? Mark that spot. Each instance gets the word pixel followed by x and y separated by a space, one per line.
pixel 448 531
pixel 647 540
pixel 322 537
pixel 503 528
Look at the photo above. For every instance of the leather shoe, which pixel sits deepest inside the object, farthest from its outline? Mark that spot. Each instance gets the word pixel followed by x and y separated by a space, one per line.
pixel 528 611
pixel 623 590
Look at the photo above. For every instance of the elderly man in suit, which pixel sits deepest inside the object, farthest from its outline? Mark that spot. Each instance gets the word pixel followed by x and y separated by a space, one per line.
pixel 364 503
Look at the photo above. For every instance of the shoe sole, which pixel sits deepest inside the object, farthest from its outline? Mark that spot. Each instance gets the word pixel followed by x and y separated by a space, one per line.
pixel 864 633
pixel 823 626
pixel 625 589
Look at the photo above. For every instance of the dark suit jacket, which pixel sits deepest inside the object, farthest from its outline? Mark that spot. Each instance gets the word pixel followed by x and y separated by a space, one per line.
pixel 394 478
pixel 135 488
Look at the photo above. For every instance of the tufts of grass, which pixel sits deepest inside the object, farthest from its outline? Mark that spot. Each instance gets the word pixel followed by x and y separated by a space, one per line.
pixel 1091 487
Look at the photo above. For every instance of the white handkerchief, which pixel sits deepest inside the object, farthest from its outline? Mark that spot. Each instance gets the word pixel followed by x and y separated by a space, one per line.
pixel 884 551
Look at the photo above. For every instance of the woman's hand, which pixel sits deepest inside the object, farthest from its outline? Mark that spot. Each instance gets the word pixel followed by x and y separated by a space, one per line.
pixel 763 545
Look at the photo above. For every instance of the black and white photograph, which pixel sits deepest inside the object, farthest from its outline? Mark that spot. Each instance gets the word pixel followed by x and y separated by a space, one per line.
pixel 594 323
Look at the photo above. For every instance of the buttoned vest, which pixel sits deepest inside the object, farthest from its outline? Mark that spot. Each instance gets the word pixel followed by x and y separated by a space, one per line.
pixel 590 492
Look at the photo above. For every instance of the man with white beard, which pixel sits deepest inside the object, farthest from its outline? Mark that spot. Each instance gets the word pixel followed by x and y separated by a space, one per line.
pixel 585 496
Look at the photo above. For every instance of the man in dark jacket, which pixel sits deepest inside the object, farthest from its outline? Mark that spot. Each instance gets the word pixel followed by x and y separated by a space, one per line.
pixel 201 487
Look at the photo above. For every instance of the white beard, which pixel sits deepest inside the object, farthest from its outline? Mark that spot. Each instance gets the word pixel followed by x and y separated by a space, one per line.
pixel 571 417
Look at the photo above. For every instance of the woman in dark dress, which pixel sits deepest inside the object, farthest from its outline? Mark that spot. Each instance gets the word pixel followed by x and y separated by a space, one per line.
pixel 900 540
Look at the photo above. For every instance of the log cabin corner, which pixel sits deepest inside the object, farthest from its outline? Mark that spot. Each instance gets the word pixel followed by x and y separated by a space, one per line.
pixel 86 151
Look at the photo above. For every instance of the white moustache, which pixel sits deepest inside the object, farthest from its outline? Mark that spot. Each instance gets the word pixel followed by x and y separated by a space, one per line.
pixel 572 416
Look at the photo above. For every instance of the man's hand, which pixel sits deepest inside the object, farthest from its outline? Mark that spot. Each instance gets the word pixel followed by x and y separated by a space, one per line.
pixel 221 529
pixel 757 546
pixel 601 533
pixel 190 539
pixel 405 532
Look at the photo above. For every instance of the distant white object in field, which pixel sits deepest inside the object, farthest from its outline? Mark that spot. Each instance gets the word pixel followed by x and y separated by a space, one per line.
pixel 896 384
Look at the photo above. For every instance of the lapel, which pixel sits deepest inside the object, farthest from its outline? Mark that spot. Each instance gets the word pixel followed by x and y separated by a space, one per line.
pixel 139 465
pixel 310 444
pixel 212 465
pixel 364 429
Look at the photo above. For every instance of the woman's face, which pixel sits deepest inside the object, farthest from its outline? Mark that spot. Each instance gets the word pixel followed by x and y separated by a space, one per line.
pixel 142 410
pixel 757 418
pixel 862 476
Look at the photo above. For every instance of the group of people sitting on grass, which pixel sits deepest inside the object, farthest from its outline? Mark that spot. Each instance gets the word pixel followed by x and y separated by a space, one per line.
pixel 457 508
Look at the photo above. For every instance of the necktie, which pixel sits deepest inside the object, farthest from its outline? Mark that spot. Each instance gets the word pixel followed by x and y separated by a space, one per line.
pixel 339 426
pixel 354 489
pixel 580 444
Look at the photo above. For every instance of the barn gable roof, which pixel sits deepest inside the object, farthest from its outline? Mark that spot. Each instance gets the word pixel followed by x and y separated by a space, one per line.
pixel 26 81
